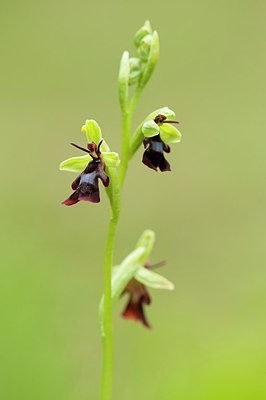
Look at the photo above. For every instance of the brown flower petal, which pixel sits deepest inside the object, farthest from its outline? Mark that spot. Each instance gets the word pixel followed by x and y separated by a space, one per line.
pixel 138 296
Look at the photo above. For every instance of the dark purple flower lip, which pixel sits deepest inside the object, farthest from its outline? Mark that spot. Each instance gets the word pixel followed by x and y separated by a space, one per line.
pixel 138 298
pixel 153 156
pixel 86 185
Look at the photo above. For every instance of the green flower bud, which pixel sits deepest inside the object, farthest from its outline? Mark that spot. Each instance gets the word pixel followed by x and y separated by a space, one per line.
pixel 135 70
pixel 123 79
pixel 150 128
pixel 142 32
pixel 169 133
pixel 92 130
pixel 145 47
pixel 153 57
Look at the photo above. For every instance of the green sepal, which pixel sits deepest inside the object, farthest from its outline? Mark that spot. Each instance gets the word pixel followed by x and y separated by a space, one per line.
pixel 75 164
pixel 142 32
pixel 152 279
pixel 138 136
pixel 126 271
pixel 123 79
pixel 111 159
pixel 92 130
pixel 169 133
pixel 150 128
pixel 152 60
pixel 104 147
pixel 146 240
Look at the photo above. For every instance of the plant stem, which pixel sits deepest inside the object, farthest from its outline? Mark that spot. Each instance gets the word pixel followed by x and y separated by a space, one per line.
pixel 107 326
pixel 135 99
pixel 107 334
pixel 126 122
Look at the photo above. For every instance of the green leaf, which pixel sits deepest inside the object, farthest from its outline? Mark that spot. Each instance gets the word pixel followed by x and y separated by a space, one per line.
pixel 111 159
pixel 92 130
pixel 146 241
pixel 75 164
pixel 123 79
pixel 150 128
pixel 153 280
pixel 169 133
pixel 152 60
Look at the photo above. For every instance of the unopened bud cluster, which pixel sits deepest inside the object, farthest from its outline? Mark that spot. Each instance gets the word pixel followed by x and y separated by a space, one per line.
pixel 147 47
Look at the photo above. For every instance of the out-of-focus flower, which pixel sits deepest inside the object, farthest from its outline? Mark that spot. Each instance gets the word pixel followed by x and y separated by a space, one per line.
pixel 134 276
pixel 138 297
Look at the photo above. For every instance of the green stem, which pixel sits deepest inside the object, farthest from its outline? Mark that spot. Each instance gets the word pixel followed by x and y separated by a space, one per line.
pixel 135 99
pixel 106 318
pixel 126 123
pixel 107 332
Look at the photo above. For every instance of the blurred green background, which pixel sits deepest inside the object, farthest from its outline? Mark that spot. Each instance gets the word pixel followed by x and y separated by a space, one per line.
pixel 59 63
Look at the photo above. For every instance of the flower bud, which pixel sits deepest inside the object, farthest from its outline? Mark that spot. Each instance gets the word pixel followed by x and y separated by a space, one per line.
pixel 152 46
pixel 142 32
pixel 135 70
pixel 123 78
pixel 145 47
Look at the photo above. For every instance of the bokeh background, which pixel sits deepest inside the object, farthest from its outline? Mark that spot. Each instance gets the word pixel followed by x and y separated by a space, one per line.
pixel 59 63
